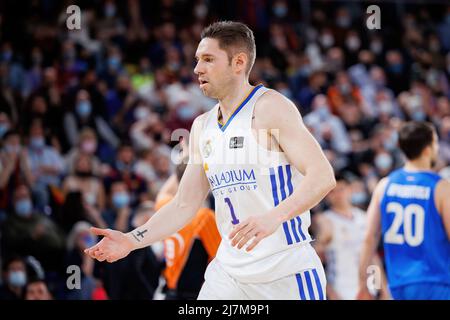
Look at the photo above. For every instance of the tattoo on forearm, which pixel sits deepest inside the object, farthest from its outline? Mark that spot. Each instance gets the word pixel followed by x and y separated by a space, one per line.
pixel 139 234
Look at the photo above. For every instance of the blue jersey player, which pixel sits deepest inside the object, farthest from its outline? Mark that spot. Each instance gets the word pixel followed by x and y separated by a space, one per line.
pixel 410 210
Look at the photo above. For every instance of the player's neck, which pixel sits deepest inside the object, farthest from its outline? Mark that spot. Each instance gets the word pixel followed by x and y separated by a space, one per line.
pixel 420 164
pixel 236 93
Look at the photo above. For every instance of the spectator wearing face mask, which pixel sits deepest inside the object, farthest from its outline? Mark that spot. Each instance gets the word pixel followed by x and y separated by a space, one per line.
pixel 88 145
pixel 15 279
pixel 46 165
pixel 79 239
pixel 86 115
pixel 26 232
pixel 119 214
pixel 14 169
pixel 84 180
pixel 37 289
pixel 124 169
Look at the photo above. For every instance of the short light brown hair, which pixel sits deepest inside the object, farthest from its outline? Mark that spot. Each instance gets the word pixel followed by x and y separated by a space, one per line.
pixel 233 37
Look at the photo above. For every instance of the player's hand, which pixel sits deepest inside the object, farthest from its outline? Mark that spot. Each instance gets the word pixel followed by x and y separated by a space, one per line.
pixel 364 294
pixel 115 245
pixel 254 227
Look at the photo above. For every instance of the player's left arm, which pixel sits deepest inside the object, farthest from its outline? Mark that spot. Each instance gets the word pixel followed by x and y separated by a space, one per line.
pixel 371 239
pixel 443 203
pixel 282 118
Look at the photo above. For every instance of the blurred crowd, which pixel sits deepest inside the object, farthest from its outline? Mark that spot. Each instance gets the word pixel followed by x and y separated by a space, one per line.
pixel 87 116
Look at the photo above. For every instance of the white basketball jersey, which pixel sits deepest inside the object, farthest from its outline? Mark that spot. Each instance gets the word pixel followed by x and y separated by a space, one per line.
pixel 343 252
pixel 248 180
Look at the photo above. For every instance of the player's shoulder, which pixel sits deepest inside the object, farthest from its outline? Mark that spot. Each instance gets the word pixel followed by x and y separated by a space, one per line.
pixel 443 188
pixel 381 187
pixel 200 121
pixel 273 107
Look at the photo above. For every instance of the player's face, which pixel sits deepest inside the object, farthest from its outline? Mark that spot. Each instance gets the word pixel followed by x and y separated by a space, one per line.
pixel 213 68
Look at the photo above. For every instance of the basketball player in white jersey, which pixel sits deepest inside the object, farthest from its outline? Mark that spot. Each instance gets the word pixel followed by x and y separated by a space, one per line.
pixel 265 170
pixel 339 238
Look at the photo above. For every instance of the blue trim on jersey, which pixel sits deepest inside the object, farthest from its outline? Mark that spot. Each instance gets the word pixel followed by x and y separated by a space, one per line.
pixel 300 228
pixel 289 179
pixel 310 287
pixel 224 127
pixel 274 187
pixel 281 177
pixel 287 233
pixel 294 231
pixel 300 286
pixel 318 284
pixel 276 202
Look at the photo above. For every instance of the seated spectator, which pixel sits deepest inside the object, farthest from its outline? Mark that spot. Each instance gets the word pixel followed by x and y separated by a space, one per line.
pixel 124 169
pixel 87 145
pixel 79 239
pixel 37 290
pixel 14 169
pixel 15 279
pixel 84 180
pixel 119 214
pixel 26 232
pixel 85 115
pixel 46 165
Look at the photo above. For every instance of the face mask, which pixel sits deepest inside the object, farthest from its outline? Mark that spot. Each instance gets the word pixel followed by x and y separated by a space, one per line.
pixel 323 112
pixel 110 11
pixel 121 166
pixel 286 93
pixel 12 149
pixel 90 198
pixel 17 278
pixel 23 207
pixel 343 22
pixel 84 108
pixel 37 142
pixel 186 112
pixel 383 161
pixel 344 88
pixel 418 115
pixel 7 56
pixel 120 200
pixel 280 11
pixel 201 11
pixel 396 68
pixel 88 240
pixel 89 146
pixel 353 43
pixel 141 112
pixel 3 128
pixel 386 107
pixel 376 47
pixel 391 143
pixel 359 198
pixel 114 63
pixel 327 40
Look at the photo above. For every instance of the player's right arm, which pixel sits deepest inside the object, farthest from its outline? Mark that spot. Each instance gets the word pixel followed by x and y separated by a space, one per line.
pixel 192 191
pixel 443 203
pixel 372 237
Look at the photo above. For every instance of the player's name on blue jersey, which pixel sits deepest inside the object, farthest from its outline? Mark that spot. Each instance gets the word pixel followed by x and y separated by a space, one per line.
pixel 409 191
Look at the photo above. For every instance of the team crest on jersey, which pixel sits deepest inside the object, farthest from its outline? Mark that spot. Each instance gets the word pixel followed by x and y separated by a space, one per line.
pixel 236 142
pixel 207 149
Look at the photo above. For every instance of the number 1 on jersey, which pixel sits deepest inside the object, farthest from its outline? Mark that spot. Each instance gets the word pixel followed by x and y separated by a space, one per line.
pixel 234 220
